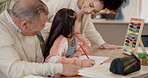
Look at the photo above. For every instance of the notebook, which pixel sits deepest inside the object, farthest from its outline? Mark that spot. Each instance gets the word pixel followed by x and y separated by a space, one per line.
pixel 98 59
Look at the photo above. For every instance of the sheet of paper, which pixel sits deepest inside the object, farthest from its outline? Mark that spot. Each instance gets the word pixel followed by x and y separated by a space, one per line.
pixel 99 71
pixel 98 59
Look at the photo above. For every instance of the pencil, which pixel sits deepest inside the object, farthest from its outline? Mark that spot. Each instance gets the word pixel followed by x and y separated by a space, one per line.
pixel 83 50
pixel 103 62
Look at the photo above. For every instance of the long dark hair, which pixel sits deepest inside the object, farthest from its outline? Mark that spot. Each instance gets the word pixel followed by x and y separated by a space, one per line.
pixel 62 25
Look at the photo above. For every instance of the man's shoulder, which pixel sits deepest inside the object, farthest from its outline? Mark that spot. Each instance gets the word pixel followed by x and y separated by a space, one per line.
pixel 3 20
pixel 2 16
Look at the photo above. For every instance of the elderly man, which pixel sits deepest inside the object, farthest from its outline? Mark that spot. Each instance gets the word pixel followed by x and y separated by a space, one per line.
pixel 84 8
pixel 20 52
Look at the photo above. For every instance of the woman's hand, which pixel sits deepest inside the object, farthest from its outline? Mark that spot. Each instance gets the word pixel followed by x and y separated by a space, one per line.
pixel 108 46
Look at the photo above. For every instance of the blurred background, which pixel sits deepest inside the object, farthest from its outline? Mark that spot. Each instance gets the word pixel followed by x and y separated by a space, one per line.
pixel 111 25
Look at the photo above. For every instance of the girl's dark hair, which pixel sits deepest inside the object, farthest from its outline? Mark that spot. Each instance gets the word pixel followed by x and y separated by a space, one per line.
pixel 112 4
pixel 62 25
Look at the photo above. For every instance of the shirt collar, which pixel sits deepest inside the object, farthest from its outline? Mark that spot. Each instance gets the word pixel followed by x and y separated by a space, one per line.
pixel 11 21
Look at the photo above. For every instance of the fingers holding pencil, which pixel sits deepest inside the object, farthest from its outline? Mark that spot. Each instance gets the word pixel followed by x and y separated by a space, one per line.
pixel 88 62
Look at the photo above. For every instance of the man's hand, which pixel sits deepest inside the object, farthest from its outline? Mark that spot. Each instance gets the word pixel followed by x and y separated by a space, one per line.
pixel 108 46
pixel 70 69
pixel 88 62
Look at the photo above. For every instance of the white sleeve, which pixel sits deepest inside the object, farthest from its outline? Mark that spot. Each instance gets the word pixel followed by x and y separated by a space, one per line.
pixel 92 34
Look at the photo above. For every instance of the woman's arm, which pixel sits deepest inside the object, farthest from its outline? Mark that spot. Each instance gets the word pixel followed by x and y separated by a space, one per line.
pixel 81 40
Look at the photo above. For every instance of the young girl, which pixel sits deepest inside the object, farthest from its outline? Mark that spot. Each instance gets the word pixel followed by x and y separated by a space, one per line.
pixel 62 43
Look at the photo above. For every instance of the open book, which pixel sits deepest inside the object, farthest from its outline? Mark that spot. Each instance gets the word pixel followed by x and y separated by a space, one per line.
pixel 98 59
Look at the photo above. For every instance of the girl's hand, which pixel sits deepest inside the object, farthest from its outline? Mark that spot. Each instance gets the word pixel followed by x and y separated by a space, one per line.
pixel 77 54
pixel 88 63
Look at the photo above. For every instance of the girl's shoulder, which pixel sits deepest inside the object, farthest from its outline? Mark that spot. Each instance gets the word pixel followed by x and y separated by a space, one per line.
pixel 60 39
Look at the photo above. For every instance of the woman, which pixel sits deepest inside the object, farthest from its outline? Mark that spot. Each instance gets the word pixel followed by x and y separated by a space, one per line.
pixel 63 43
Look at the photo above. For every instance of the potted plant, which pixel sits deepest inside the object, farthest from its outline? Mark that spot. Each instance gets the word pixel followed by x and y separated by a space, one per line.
pixel 144 58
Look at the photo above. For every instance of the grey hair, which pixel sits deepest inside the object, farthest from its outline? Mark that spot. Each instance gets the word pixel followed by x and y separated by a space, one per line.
pixel 29 9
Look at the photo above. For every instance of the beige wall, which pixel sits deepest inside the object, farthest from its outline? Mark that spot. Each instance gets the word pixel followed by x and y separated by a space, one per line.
pixel 114 33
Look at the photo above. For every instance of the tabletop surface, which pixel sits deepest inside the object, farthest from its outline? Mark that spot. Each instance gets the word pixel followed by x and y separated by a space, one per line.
pixel 112 54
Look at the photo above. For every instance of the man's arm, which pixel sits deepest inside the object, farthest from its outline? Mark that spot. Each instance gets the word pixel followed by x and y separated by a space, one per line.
pixel 13 66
